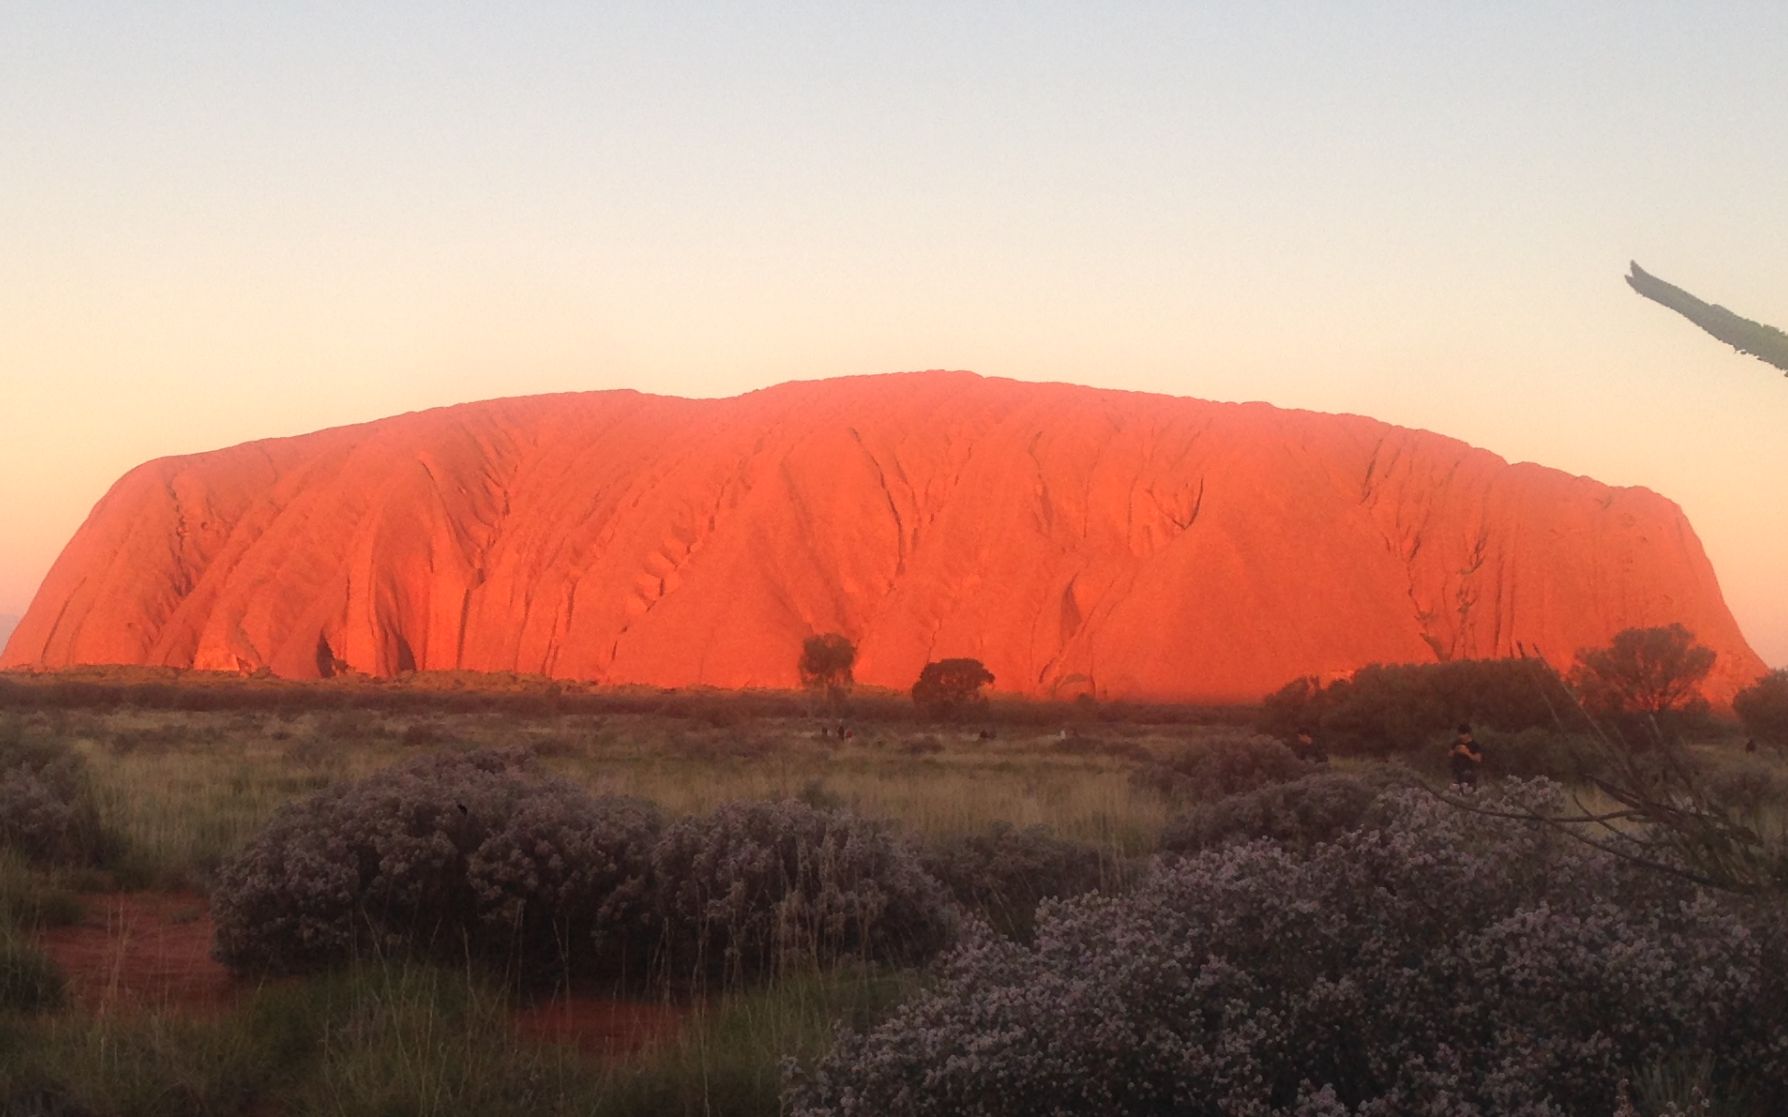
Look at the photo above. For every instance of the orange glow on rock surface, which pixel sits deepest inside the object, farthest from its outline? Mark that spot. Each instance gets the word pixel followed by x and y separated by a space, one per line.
pixel 1142 546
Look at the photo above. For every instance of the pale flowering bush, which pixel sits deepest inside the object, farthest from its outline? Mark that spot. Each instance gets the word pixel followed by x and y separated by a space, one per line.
pixel 1315 808
pixel 477 852
pixel 567 873
pixel 1441 962
pixel 754 887
pixel 1003 873
pixel 48 813
pixel 483 854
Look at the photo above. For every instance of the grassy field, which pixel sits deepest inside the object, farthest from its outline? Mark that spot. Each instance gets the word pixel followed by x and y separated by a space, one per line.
pixel 408 1039
pixel 183 788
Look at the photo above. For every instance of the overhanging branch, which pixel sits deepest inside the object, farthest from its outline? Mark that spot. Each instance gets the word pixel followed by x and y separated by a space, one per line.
pixel 1755 339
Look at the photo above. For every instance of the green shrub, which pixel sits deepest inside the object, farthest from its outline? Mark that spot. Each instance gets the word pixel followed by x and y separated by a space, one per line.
pixel 826 662
pixel 1388 709
pixel 1644 671
pixel 1763 707
pixel 1573 758
pixel 947 686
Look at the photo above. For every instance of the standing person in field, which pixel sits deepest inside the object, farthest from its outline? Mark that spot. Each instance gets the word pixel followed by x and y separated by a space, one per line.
pixel 1306 747
pixel 1466 759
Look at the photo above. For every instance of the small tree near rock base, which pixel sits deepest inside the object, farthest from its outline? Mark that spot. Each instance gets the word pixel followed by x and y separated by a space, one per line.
pixel 1643 671
pixel 1763 707
pixel 947 685
pixel 826 663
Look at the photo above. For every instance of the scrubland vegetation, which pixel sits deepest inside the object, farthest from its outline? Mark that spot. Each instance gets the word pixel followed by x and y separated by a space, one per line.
pixel 1015 910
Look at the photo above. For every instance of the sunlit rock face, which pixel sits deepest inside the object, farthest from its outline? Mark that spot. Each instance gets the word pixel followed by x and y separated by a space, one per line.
pixel 1072 539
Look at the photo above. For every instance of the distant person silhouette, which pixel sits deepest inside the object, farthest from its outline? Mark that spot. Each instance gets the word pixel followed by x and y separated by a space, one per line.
pixel 1306 748
pixel 1466 759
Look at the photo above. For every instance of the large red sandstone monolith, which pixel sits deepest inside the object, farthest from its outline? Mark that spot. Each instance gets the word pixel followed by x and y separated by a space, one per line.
pixel 1143 546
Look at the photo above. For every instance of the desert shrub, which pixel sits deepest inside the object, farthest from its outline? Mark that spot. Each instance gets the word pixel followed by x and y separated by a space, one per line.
pixel 1386 709
pixel 424 734
pixel 1574 758
pixel 947 686
pixel 1118 748
pixel 476 852
pixel 310 753
pixel 1644 671
pixel 156 740
pixel 1298 704
pixel 724 717
pixel 555 746
pixel 1319 807
pixel 334 727
pixel 1532 753
pixel 815 793
pixel 1763 707
pixel 923 745
pixel 754 887
pixel 563 873
pixel 1444 962
pixel 826 662
pixel 715 746
pixel 1746 784
pixel 1225 763
pixel 1003 874
pixel 48 813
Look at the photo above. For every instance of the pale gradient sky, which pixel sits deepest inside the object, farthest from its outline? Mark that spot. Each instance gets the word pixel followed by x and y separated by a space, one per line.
pixel 223 222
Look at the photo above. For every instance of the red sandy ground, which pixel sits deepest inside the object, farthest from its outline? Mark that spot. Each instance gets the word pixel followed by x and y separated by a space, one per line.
pixel 142 950
pixel 600 1025
pixel 152 950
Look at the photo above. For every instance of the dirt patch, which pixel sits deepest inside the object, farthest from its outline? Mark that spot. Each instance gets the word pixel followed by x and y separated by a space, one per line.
pixel 152 950
pixel 142 950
